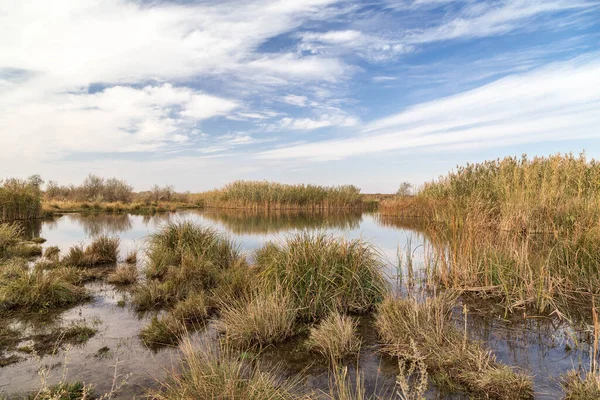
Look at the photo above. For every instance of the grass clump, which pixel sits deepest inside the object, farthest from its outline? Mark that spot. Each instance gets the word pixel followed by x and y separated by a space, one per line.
pixel 335 337
pixel 131 257
pixel 124 275
pixel 216 373
pixel 25 250
pixel 584 386
pixel 168 329
pixel 266 319
pixel 10 234
pixel 102 250
pixel 453 361
pixel 162 331
pixel 323 273
pixel 34 289
pixel 52 252
pixel 180 243
pixel 184 259
pixel 64 391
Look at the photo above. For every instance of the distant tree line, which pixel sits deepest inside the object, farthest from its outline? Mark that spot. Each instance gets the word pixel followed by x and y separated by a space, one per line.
pixel 97 189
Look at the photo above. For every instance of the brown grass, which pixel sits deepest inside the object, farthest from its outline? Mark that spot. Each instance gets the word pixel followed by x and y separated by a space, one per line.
pixel 453 360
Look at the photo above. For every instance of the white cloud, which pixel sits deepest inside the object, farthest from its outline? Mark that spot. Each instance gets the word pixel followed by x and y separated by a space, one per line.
pixel 371 47
pixel 117 119
pixel 485 19
pixel 559 102
pixel 383 78
pixel 295 100
pixel 55 51
pixel 322 121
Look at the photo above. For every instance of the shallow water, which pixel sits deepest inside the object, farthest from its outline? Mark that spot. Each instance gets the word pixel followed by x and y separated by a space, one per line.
pixel 545 348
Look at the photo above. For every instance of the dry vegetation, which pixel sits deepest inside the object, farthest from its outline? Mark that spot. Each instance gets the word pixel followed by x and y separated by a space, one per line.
pixel 526 231
pixel 415 330
pixel 271 195
pixel 335 337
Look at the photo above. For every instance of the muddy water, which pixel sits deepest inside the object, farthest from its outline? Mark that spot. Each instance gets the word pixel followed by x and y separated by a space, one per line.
pixel 545 348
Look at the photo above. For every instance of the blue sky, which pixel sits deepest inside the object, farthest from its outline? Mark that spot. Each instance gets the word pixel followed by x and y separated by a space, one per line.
pixel 200 93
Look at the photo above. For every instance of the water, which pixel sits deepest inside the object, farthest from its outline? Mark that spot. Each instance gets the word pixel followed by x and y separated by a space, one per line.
pixel 543 347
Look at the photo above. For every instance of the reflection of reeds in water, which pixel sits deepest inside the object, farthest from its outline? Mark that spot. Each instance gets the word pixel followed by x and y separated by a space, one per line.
pixel 98 224
pixel 265 222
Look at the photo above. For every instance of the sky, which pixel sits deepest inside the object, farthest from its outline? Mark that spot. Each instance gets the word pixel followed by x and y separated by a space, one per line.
pixel 196 94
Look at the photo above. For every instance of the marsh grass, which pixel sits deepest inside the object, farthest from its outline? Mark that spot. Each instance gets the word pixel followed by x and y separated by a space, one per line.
pixel 264 320
pixel 131 257
pixel 323 273
pixel 63 391
pixel 335 337
pixel 35 289
pixel 168 329
pixel 10 235
pixel 20 199
pixel 453 361
pixel 271 195
pixel 124 274
pixel 185 259
pixel 52 253
pixel 581 386
pixel 210 372
pixel 102 250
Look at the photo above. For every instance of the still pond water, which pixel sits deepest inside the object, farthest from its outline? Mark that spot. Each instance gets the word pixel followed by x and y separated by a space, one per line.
pixel 543 347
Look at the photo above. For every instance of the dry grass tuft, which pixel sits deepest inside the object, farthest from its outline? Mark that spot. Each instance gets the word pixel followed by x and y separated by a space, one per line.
pixel 323 273
pixel 266 319
pixel 216 373
pixel 335 337
pixel 124 275
pixel 578 387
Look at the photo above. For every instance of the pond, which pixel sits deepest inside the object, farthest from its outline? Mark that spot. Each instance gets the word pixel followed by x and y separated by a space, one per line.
pixel 545 348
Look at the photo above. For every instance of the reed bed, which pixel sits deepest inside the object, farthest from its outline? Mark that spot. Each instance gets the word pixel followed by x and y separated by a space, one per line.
pixel 263 195
pixel 423 330
pixel 20 199
pixel 323 273
pixel 560 193
pixel 523 230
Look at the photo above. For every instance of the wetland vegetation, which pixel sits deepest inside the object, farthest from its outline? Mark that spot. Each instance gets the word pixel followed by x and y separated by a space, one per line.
pixel 301 295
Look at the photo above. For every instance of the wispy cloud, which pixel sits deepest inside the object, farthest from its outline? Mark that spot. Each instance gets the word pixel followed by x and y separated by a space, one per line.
pixel 537 106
